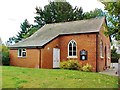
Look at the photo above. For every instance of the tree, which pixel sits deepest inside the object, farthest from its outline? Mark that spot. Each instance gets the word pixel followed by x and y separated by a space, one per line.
pixel 92 14
pixel 11 41
pixel 25 26
pixel 5 54
pixel 56 12
pixel 113 17
pixel 114 55
pixel 31 31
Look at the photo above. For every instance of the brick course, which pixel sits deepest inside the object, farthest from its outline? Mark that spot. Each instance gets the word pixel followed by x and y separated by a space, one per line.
pixel 31 60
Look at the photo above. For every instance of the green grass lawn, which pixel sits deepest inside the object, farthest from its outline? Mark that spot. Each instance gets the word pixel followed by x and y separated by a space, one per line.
pixel 17 77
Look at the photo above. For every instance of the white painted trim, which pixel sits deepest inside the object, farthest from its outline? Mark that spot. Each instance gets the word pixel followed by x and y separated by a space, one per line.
pixel 72 57
pixel 21 53
pixel 101 49
pixel 72 47
pixel 108 57
pixel 101 57
pixel 56 60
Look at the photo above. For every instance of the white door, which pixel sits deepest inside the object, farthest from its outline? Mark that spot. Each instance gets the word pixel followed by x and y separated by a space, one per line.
pixel 56 58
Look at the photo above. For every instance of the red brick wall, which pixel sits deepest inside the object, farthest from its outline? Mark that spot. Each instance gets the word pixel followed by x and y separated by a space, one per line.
pixel 106 43
pixel 31 60
pixel 84 41
pixel 47 54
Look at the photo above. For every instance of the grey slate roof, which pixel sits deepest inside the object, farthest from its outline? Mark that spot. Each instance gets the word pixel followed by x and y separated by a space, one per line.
pixel 50 31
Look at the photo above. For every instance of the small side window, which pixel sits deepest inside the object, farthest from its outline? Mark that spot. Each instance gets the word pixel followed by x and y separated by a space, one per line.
pixel 21 52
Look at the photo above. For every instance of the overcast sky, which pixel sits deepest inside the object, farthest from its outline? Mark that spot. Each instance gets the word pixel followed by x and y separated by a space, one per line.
pixel 14 12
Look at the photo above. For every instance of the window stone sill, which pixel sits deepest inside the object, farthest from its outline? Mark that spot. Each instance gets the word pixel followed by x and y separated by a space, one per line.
pixel 72 57
pixel 101 57
pixel 21 57
pixel 108 58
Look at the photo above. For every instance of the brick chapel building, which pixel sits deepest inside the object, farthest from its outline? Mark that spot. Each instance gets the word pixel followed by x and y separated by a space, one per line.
pixel 82 40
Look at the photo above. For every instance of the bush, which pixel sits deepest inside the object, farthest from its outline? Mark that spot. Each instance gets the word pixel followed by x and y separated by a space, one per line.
pixel 64 65
pixel 114 60
pixel 5 58
pixel 70 64
pixel 5 55
pixel 114 56
pixel 87 68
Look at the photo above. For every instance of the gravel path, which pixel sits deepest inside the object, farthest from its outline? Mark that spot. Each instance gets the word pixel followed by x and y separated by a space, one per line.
pixel 115 71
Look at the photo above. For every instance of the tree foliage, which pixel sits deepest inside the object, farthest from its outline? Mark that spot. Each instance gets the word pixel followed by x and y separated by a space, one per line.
pixel 113 17
pixel 56 12
pixel 114 55
pixel 11 41
pixel 31 31
pixel 25 27
pixel 92 14
pixel 5 55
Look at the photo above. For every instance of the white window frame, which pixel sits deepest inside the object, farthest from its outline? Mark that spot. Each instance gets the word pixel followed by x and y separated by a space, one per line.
pixel 23 50
pixel 72 56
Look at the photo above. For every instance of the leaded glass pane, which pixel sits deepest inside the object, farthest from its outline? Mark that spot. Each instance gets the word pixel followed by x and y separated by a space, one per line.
pixel 19 52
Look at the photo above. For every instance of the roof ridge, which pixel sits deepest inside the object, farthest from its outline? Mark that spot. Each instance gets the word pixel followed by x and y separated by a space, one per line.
pixel 76 20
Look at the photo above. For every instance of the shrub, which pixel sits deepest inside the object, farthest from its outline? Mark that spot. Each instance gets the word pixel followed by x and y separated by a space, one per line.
pixel 5 55
pixel 5 58
pixel 114 56
pixel 70 64
pixel 64 65
pixel 87 68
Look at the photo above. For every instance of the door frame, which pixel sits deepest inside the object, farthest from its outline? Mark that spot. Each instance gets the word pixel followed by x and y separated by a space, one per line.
pixel 56 58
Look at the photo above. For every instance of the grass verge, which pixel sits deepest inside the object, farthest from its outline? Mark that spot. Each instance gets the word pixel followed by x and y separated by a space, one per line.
pixel 17 77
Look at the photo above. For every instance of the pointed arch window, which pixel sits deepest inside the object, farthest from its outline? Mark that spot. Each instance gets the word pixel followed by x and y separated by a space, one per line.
pixel 72 48
pixel 101 49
